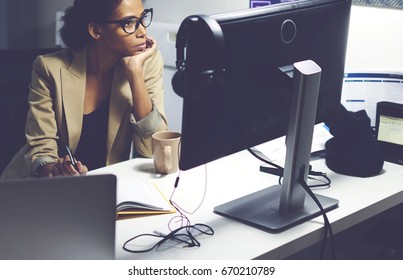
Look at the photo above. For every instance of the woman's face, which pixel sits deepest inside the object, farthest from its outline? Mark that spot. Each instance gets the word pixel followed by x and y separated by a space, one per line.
pixel 116 39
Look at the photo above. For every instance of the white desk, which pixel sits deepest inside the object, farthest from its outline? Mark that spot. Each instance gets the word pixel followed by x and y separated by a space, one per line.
pixel 238 175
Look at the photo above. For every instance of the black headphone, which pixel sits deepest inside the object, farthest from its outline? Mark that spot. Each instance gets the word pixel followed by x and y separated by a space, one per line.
pixel 205 81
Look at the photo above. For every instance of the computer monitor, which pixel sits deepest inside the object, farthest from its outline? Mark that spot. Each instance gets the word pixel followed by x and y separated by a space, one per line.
pixel 238 91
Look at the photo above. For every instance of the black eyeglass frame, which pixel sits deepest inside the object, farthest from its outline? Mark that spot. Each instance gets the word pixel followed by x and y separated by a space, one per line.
pixel 139 21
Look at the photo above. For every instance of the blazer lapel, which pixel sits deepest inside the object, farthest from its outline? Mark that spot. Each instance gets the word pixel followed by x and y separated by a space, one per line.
pixel 73 92
pixel 120 103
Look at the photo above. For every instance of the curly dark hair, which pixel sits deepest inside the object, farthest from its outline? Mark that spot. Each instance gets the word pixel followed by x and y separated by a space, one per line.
pixel 74 32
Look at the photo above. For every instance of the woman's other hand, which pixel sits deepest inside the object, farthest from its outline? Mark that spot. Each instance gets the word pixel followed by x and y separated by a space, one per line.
pixel 62 167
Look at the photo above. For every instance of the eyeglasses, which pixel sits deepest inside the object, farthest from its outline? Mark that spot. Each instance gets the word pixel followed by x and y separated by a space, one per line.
pixel 132 23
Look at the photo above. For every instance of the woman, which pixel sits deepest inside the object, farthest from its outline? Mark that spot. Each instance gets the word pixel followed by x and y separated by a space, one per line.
pixel 98 96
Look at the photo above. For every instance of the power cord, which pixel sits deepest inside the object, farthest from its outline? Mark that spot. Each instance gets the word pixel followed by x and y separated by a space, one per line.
pixel 327 227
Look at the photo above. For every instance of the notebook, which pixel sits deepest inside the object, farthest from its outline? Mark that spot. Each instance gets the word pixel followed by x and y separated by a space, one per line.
pixel 64 218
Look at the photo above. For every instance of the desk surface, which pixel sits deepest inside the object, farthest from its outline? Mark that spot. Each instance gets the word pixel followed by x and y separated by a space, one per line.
pixel 238 175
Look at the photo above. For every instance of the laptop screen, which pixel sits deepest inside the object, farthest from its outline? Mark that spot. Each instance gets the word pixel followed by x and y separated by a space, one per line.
pixel 389 130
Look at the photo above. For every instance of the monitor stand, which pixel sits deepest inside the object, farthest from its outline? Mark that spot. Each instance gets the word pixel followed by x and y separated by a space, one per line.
pixel 282 206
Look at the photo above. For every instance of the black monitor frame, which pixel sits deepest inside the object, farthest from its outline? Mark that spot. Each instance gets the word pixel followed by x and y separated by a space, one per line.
pixel 254 104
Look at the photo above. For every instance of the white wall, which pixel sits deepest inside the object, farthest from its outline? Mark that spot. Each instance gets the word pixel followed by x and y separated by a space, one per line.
pixel 174 11
pixel 32 24
pixel 375 39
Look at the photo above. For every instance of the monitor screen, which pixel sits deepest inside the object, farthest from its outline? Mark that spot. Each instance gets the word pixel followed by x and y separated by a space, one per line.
pixel 363 91
pixel 389 130
pixel 248 59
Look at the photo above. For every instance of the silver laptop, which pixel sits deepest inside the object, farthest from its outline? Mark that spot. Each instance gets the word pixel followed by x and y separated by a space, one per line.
pixel 58 218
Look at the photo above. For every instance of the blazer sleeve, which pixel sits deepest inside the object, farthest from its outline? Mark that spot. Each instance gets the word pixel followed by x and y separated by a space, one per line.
pixel 156 120
pixel 41 126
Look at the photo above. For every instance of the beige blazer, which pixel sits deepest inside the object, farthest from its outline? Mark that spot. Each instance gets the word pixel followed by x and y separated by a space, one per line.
pixel 56 103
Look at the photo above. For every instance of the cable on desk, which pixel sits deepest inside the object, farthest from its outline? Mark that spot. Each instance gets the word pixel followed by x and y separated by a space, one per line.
pixel 202 200
pixel 186 233
pixel 328 228
pixel 278 171
pixel 275 169
pixel 188 238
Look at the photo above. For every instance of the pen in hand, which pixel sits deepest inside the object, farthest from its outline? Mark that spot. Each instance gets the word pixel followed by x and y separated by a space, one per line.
pixel 72 159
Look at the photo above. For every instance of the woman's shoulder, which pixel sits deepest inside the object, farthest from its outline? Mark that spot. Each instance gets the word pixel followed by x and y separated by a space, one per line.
pixel 63 59
pixel 59 57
